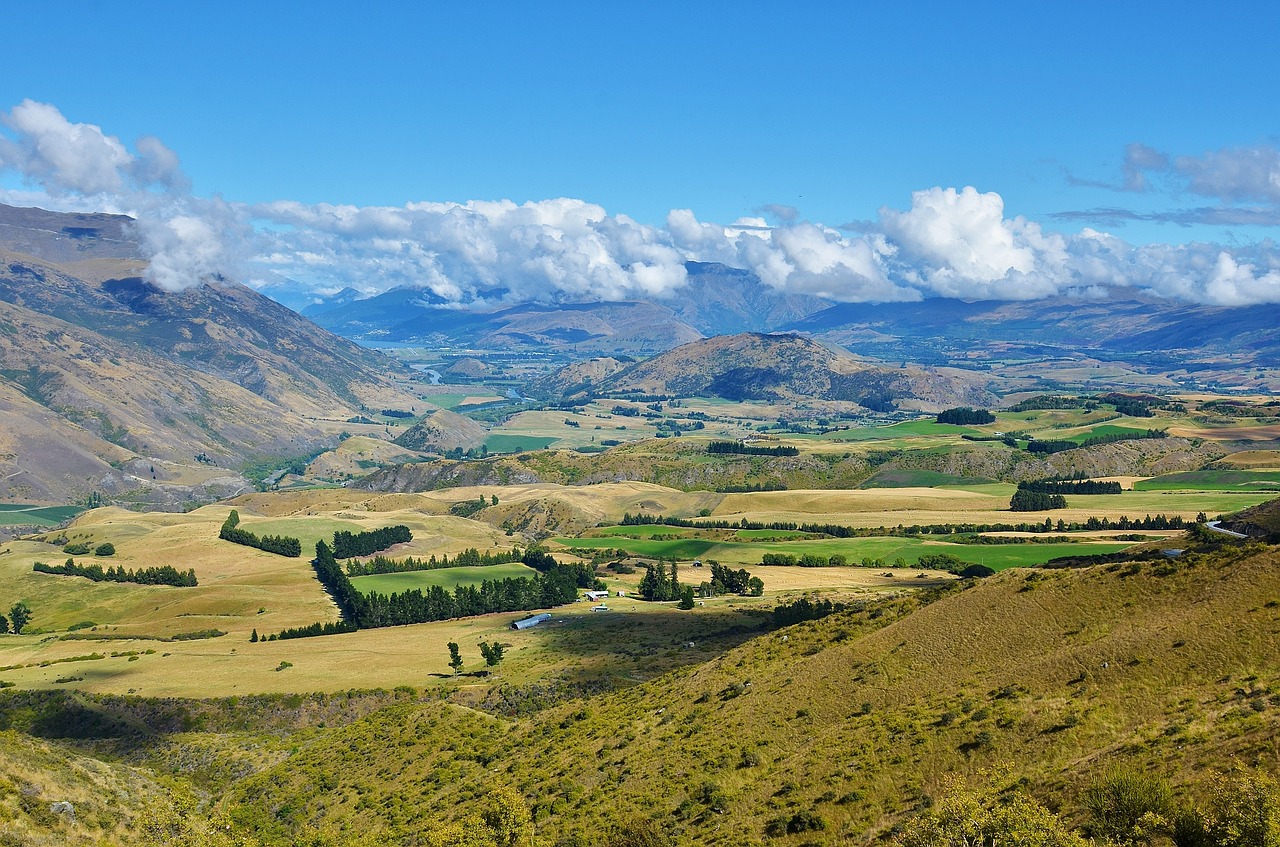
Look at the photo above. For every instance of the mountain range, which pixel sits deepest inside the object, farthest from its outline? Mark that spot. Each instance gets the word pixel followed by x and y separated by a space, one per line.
pixel 1128 326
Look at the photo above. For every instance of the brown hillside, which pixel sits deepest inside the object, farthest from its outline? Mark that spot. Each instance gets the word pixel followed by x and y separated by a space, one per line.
pixel 793 367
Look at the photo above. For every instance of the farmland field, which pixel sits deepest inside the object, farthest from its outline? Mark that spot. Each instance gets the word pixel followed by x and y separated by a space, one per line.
pixel 887 550
pixel 390 583
pixel 1214 480
pixel 12 513
pixel 517 443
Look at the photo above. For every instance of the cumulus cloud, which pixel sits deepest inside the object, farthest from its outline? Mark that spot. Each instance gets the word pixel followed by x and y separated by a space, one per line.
pixel 76 165
pixel 954 242
pixel 959 244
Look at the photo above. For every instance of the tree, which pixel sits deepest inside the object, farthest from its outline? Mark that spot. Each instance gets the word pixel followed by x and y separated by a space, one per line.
pixel 4 625
pixel 755 586
pixel 455 657
pixel 19 617
pixel 104 550
pixel 253 639
pixel 686 597
pixel 492 652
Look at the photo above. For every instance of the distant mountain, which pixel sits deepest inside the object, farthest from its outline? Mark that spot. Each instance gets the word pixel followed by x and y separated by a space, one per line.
pixel 1131 326
pixel 109 384
pixel 717 300
pixel 1165 332
pixel 415 315
pixel 756 366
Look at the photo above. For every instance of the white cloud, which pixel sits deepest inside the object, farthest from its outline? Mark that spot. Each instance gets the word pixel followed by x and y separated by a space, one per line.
pixel 949 242
pixel 62 156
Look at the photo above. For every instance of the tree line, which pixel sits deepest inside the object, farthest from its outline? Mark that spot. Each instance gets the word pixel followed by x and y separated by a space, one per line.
pixel 965 415
pixel 162 575
pixel 281 545
pixel 469 558
pixel 1035 501
pixel 554 585
pixel 1049 446
pixel 347 545
pixel 1072 486
pixel 744 449
pixel 841 531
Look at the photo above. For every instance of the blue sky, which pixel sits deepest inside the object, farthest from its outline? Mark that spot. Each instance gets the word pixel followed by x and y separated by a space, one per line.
pixel 823 114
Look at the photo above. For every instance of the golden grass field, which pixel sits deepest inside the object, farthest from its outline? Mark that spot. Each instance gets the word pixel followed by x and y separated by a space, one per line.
pixel 242 589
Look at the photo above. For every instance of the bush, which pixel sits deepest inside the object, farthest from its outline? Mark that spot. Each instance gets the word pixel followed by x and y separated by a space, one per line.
pixel 104 550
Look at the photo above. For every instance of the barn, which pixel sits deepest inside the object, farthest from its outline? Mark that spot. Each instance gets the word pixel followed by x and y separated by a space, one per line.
pixel 533 621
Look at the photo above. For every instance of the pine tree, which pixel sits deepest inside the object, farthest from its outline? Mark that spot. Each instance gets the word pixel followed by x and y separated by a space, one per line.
pixel 253 639
pixel 455 657
pixel 19 617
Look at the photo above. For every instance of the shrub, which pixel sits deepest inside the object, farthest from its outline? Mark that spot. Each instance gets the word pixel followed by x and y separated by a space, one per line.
pixel 107 549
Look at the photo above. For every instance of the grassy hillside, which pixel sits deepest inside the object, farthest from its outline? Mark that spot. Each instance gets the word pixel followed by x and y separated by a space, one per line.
pixel 853 720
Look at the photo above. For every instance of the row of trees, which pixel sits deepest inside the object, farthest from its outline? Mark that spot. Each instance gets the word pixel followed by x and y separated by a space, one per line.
pixel 841 531
pixel 162 575
pixel 281 545
pixel 1035 501
pixel 740 447
pixel 1070 486
pixel 554 585
pixel 347 545
pixel 1050 446
pixel 469 558
pixel 965 415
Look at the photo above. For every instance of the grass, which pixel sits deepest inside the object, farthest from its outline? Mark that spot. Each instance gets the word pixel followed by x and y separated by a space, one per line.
pixel 444 577
pixel 908 478
pixel 19 514
pixel 1213 480
pixel 517 443
pixel 888 550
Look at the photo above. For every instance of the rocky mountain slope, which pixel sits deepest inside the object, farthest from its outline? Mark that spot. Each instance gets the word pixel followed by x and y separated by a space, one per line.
pixel 109 384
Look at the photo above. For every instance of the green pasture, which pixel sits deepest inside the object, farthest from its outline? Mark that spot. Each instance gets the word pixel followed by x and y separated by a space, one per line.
pixel 888 549
pixel 391 583
pixel 18 513
pixel 906 429
pixel 1111 429
pixel 647 531
pixel 1214 480
pixel 448 401
pixel 517 443
pixel 308 529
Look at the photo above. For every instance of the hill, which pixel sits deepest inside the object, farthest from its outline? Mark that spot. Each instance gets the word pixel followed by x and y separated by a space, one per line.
pixel 850 723
pixel 441 431
pixel 793 368
pixel 139 382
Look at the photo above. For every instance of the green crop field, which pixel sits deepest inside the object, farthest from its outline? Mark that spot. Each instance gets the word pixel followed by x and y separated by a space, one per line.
pixel 16 513
pixel 1214 480
pixel 390 583
pixel 517 443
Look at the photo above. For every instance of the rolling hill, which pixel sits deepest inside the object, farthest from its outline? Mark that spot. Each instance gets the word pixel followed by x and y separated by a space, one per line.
pixel 138 382
pixel 755 366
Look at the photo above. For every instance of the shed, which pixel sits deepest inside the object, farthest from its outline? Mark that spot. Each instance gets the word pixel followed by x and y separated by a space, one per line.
pixel 533 621
pixel 596 596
